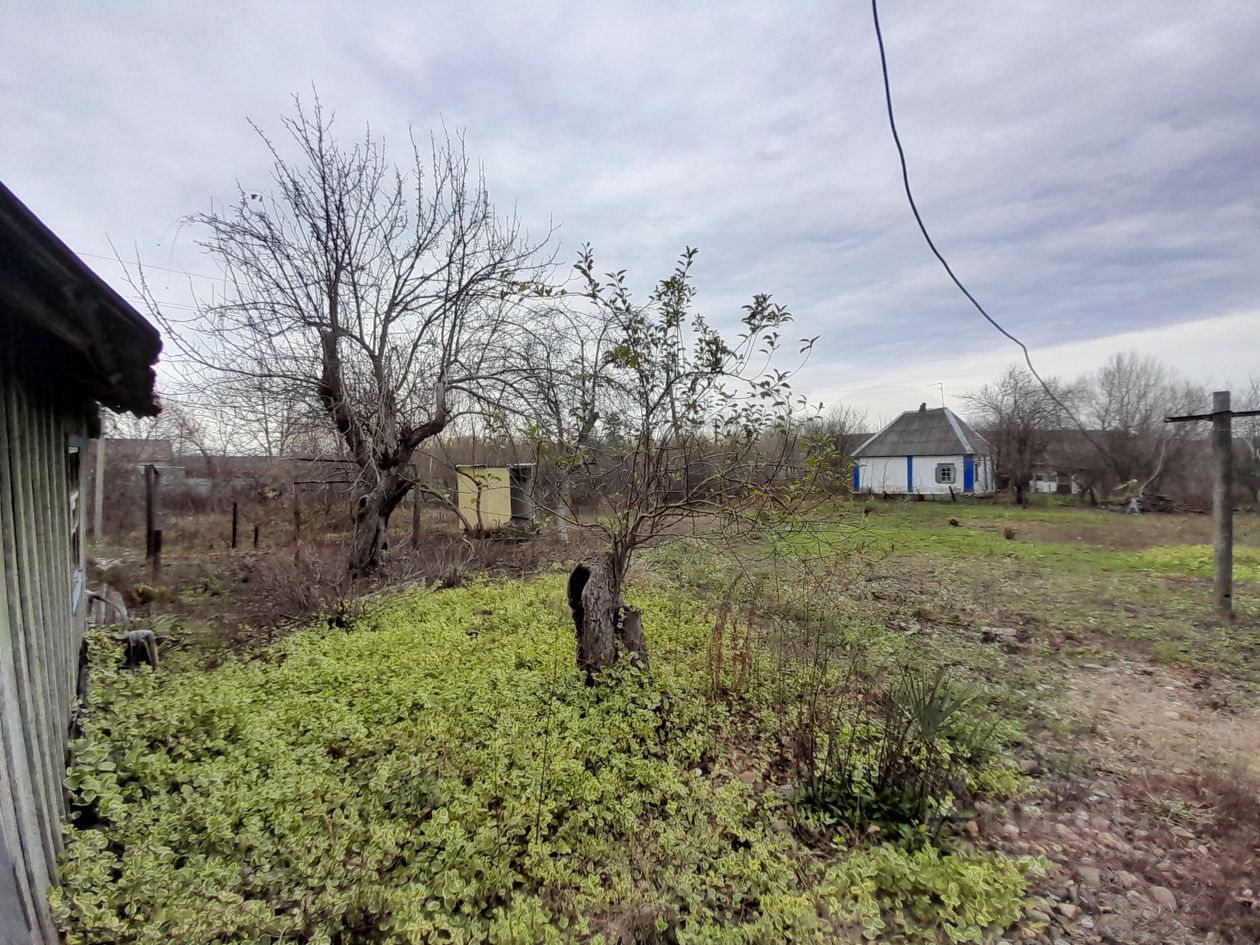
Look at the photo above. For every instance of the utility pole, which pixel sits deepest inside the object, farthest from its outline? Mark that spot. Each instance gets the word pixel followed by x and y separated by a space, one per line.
pixel 1223 501
pixel 1222 494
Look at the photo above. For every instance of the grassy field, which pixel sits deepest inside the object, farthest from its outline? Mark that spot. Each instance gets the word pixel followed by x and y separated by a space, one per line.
pixel 1126 585
pixel 828 747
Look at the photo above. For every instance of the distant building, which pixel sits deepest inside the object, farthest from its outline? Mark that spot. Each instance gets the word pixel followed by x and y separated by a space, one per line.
pixel 924 452
pixel 1049 480
pixel 133 452
pixel 494 497
pixel 68 343
pixel 1067 464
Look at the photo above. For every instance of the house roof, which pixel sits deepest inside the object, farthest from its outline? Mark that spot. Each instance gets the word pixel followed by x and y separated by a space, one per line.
pixel 923 432
pixel 110 347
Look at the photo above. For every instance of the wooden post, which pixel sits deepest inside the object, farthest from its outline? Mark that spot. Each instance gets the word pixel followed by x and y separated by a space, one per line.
pixel 415 511
pixel 297 516
pixel 256 536
pixel 234 520
pixel 157 555
pixel 151 482
pixel 98 500
pixel 1222 416
pixel 1223 502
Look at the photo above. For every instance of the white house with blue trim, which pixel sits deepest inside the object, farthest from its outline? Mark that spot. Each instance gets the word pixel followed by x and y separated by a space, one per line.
pixel 925 452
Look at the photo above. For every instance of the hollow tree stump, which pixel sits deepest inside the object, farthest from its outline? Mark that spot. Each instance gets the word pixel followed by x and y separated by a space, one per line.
pixel 606 628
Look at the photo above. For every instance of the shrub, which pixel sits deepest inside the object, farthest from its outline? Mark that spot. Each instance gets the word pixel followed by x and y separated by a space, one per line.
pixel 897 759
pixel 915 894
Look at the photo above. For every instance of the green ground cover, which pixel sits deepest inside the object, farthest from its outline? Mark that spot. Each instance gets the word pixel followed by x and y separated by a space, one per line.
pixel 441 773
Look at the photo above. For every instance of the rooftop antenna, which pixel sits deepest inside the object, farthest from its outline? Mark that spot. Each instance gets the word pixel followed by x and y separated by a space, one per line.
pixel 941 388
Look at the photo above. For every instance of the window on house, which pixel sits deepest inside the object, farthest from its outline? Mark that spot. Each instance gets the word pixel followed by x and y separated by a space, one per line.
pixel 945 472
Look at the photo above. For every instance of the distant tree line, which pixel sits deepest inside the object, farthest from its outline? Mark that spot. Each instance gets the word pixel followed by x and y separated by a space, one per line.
pixel 1105 430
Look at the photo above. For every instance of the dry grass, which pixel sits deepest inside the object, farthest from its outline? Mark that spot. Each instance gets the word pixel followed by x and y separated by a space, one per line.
pixel 233 600
pixel 1164 719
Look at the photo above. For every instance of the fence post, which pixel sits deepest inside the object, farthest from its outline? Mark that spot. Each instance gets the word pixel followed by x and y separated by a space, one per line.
pixel 1222 416
pixel 1223 503
pixel 151 483
pixel 415 517
pixel 98 505
pixel 234 518
pixel 255 536
pixel 157 555
pixel 297 516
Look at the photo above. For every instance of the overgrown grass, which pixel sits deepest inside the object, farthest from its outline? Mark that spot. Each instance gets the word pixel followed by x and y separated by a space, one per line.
pixel 1108 584
pixel 440 773
pixel 1051 531
pixel 1198 561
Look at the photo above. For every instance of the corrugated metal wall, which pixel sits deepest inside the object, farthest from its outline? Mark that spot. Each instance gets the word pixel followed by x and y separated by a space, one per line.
pixel 485 496
pixel 39 632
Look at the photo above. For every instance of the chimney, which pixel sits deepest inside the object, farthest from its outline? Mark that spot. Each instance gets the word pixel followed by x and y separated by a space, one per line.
pixel 923 407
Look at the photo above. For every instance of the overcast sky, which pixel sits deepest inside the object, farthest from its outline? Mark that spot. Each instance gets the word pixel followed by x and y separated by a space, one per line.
pixel 1092 170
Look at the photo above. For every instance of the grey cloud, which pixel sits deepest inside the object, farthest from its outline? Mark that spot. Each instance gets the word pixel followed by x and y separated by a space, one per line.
pixel 1089 168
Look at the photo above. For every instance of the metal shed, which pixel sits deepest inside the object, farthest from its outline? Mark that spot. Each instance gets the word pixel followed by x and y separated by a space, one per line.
pixel 494 497
pixel 68 343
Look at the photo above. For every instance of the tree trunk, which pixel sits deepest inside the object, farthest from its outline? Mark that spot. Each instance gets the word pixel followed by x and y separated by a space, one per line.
pixel 606 628
pixel 371 519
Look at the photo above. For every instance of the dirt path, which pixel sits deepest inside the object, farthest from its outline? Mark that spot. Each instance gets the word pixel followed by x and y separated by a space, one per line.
pixel 1148 813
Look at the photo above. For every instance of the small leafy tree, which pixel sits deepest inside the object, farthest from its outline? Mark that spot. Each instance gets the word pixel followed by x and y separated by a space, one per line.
pixel 672 429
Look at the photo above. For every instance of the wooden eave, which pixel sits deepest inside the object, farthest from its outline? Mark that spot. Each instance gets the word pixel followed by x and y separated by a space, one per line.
pixel 111 348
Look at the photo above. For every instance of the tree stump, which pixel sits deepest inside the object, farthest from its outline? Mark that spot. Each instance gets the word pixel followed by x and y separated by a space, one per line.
pixel 606 628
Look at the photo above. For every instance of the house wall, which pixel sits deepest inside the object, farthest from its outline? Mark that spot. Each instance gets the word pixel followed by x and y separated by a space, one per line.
pixel 879 474
pixel 1052 482
pixel 986 474
pixel 41 627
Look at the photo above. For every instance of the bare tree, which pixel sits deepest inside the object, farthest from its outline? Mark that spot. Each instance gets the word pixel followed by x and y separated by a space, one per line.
pixel 676 430
pixel 1126 402
pixel 374 294
pixel 1247 468
pixel 564 378
pixel 258 417
pixel 1018 414
pixel 845 427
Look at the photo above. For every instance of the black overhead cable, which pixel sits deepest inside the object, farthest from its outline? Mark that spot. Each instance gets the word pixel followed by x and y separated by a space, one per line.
pixel 905 180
